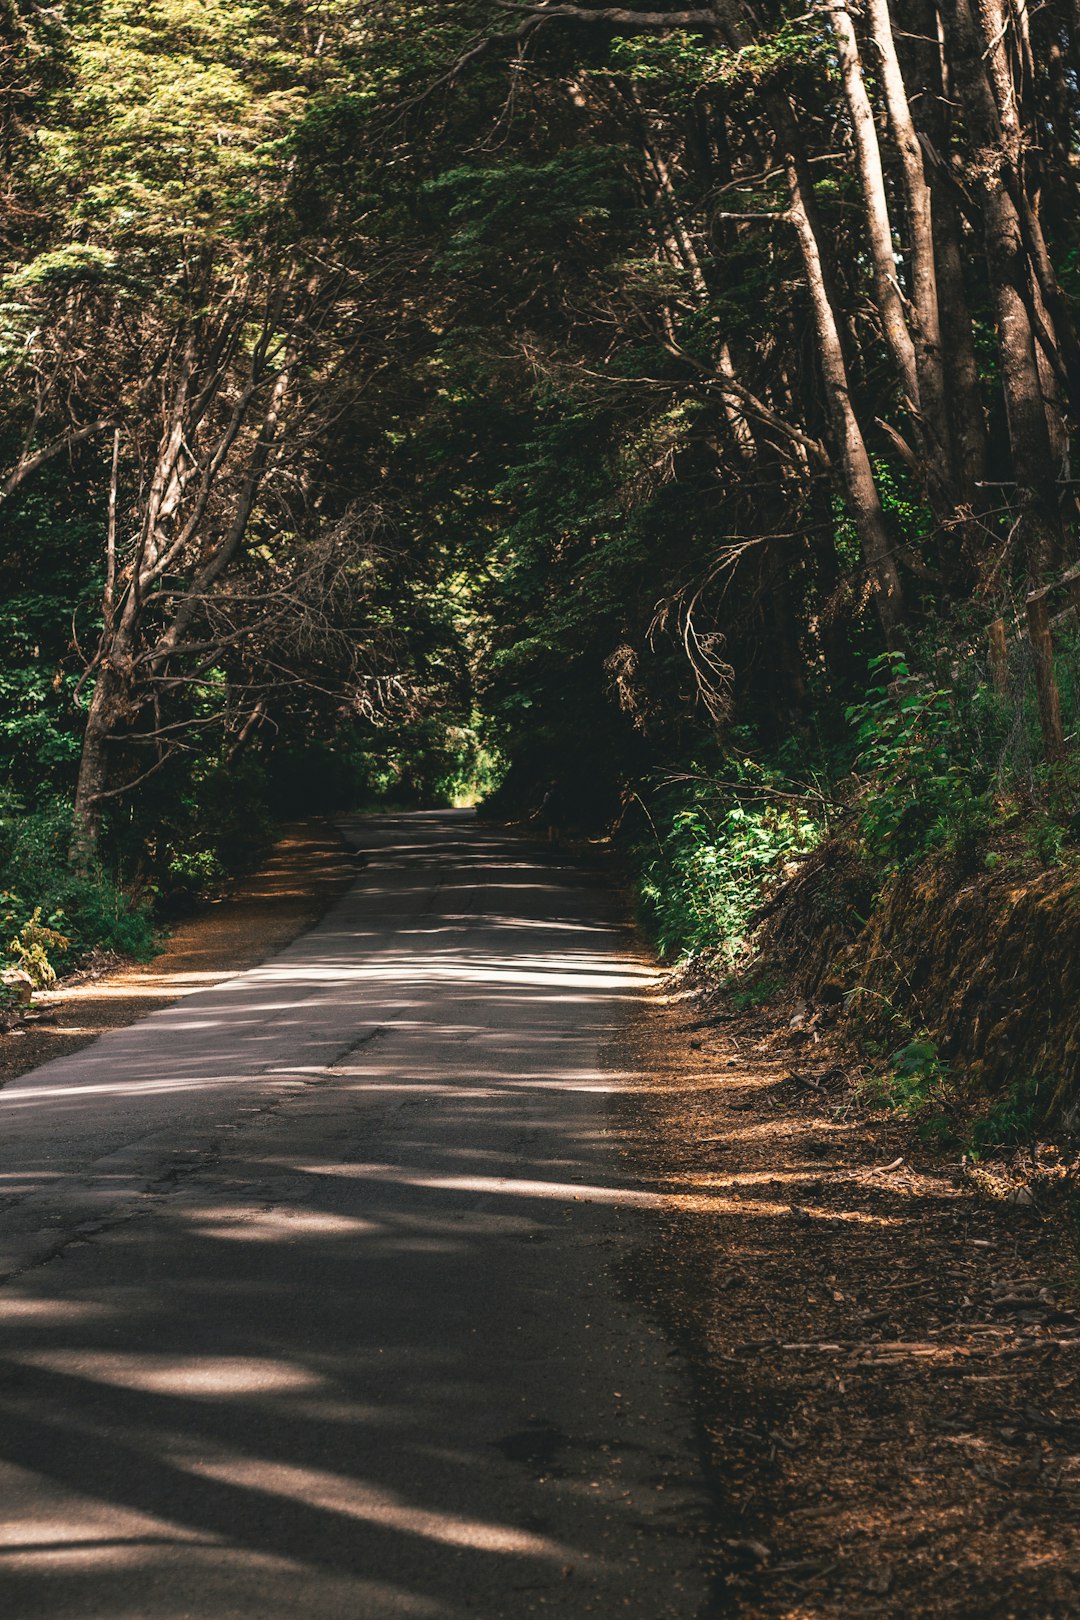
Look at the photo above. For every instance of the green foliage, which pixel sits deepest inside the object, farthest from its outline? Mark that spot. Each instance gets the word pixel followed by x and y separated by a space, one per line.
pixel 918 1085
pixel 922 792
pixel 49 595
pixel 52 915
pixel 683 64
pixel 904 507
pixel 36 947
pixel 427 763
pixel 755 991
pixel 203 822
pixel 1046 837
pixel 712 865
pixel 170 120
pixel 1011 1120
pixel 62 269
pixel 529 213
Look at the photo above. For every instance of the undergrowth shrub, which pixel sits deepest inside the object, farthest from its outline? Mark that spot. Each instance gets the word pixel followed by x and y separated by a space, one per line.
pixel 50 916
pixel 710 864
pixel 1012 1119
pixel 926 787
pixel 35 947
pixel 918 1084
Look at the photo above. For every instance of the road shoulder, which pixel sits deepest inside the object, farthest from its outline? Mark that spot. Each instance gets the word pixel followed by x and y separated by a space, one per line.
pixel 309 867
pixel 886 1359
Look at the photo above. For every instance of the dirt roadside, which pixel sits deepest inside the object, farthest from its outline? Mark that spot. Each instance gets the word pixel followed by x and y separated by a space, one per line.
pixel 886 1359
pixel 308 867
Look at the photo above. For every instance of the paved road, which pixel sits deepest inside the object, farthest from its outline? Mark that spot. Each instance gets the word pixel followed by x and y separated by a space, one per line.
pixel 312 1302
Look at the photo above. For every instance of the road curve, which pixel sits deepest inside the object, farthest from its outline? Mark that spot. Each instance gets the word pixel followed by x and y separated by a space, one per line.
pixel 312 1300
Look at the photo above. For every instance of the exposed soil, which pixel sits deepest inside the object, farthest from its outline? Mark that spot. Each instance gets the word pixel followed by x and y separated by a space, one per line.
pixel 962 953
pixel 307 869
pixel 887 1357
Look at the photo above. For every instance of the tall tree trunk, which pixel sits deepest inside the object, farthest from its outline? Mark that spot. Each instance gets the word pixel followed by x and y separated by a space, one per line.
pixel 994 181
pixel 933 391
pixel 106 711
pixel 966 417
pixel 872 181
pixel 1000 25
pixel 860 488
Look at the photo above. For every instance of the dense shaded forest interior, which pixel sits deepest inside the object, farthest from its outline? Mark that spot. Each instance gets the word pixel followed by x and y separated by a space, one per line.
pixel 669 410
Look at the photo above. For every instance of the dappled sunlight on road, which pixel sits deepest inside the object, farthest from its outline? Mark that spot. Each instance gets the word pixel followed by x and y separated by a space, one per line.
pixel 508 1186
pixel 199 1377
pixel 353 1497
pixel 334 1331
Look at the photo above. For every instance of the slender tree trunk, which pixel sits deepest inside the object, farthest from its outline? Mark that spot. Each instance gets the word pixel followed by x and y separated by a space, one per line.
pixel 933 391
pixel 872 181
pixel 681 251
pixel 860 488
pixel 105 712
pixel 995 181
pixel 967 420
pixel 958 347
pixel 1000 26
pixel 863 500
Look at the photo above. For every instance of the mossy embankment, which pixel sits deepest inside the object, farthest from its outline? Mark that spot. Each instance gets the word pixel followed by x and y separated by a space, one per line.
pixel 982 965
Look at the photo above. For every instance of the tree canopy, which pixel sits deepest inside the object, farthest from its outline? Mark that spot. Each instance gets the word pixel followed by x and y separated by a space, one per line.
pixel 598 389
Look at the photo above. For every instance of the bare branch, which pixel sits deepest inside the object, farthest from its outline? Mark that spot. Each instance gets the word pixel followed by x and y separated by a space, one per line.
pixel 28 464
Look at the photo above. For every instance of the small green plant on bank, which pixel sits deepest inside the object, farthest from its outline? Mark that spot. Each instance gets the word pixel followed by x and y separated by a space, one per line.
pixel 923 793
pixel 710 863
pixel 755 992
pixel 918 1076
pixel 51 915
pixel 917 1084
pixel 1046 838
pixel 1012 1120
pixel 36 947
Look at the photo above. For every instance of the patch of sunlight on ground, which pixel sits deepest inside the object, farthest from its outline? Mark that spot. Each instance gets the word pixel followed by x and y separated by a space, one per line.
pixel 253 1224
pixel 197 1377
pixel 335 1493
pixel 43 1310
pixel 707 1204
pixel 567 1191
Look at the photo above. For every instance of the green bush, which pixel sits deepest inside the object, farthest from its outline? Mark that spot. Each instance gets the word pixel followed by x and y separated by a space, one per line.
pixel 43 902
pixel 206 820
pixel 925 790
pixel 712 863
pixel 36 947
pixel 918 1084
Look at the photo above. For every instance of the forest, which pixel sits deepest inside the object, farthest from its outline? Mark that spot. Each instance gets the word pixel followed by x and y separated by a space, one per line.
pixel 669 411
pixel 539 809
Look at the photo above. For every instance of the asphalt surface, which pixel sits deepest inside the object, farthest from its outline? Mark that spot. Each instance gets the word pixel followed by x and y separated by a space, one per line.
pixel 315 1281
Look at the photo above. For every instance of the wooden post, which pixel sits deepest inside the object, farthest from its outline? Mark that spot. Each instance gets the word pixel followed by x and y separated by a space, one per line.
pixel 1042 657
pixel 999 658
